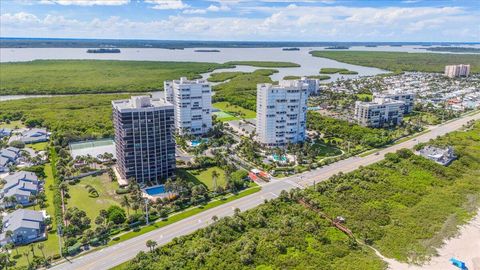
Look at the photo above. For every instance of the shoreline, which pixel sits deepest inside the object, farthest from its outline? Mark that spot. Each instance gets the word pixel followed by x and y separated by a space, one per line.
pixel 464 246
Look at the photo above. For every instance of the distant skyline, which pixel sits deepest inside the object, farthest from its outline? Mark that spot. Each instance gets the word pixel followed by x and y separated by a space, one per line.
pixel 244 20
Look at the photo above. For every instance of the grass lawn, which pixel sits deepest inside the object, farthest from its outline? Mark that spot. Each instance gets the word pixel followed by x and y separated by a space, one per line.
pixel 51 244
pixel 79 196
pixel 204 176
pixel 41 146
pixel 224 117
pixel 325 150
pixel 235 110
pixel 12 124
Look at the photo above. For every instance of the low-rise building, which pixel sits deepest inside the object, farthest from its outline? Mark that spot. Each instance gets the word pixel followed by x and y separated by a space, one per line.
pixel 379 113
pixel 20 185
pixel 33 135
pixel 442 156
pixel 5 132
pixel 26 225
pixel 11 153
pixel 407 98
pixel 453 71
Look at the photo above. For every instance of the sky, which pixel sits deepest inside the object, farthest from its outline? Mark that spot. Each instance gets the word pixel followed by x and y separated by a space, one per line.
pixel 244 20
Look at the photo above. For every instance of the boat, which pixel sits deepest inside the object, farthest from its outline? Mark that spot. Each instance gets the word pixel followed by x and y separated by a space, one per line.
pixel 291 49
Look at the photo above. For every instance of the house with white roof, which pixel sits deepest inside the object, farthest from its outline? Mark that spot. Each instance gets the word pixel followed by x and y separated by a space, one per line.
pixel 442 156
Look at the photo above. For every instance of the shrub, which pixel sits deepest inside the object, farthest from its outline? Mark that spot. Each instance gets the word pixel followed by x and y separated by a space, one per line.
pixel 116 214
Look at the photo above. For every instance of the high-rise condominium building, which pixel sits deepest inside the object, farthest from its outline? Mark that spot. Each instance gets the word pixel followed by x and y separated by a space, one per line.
pixel 281 113
pixel 407 98
pixel 144 141
pixel 379 113
pixel 453 71
pixel 313 85
pixel 192 101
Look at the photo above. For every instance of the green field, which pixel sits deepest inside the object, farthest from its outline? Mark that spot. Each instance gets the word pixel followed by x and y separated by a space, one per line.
pixel 343 71
pixel 12 124
pixel 80 198
pixel 237 111
pixel 323 150
pixel 94 76
pixel 402 61
pixel 264 64
pixel 224 117
pixel 204 176
pixel 41 146
pixel 77 117
pixel 241 90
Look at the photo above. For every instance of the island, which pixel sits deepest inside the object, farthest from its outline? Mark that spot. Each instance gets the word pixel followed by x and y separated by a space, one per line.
pixel 337 48
pixel 207 51
pixel 103 50
pixel 342 71
pixel 453 49
pixel 291 49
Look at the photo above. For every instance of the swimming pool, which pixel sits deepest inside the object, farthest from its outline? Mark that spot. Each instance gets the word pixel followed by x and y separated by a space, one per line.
pixel 277 158
pixel 155 191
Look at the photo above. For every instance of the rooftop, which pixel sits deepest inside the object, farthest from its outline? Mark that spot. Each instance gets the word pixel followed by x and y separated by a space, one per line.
pixel 140 102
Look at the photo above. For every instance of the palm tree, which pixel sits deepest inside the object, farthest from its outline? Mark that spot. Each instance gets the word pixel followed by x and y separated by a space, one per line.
pixel 215 175
pixel 151 245
pixel 9 235
pixel 126 203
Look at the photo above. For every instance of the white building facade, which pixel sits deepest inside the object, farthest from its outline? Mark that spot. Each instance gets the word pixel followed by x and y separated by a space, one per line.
pixel 281 113
pixel 313 85
pixel 453 71
pixel 379 113
pixel 407 98
pixel 192 101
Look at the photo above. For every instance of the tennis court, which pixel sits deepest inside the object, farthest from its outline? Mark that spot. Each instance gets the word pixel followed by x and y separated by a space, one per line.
pixel 92 148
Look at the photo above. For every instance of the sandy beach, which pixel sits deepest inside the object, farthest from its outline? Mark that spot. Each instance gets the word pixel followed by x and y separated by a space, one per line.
pixel 464 247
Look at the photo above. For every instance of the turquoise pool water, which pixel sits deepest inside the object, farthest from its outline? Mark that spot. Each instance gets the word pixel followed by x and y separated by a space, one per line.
pixel 277 158
pixel 154 191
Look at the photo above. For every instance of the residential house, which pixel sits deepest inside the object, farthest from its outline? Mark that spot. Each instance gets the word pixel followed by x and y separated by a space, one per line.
pixel 5 132
pixel 26 225
pixel 20 185
pixel 442 156
pixel 33 135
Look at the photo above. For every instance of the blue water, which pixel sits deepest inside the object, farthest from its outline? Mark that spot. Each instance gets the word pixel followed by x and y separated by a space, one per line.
pixel 277 158
pixel 195 143
pixel 155 190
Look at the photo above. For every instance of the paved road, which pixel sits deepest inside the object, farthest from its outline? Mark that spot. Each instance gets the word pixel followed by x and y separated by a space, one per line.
pixel 111 256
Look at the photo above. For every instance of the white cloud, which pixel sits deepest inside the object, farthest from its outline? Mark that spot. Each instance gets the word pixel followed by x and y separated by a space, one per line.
pixel 167 4
pixel 86 2
pixel 215 8
pixel 295 22
pixel 194 11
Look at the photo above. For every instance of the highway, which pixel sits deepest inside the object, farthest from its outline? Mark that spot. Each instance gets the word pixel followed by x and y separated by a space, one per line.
pixel 109 257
